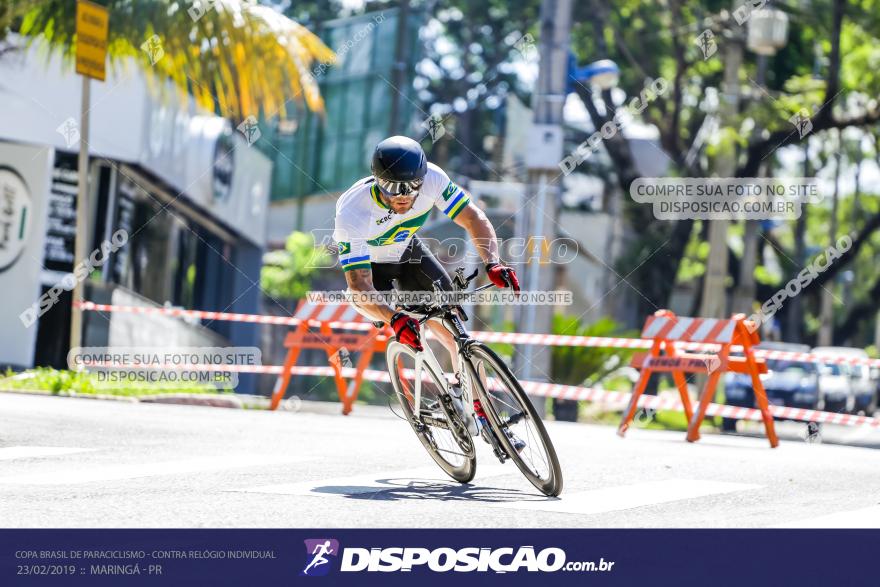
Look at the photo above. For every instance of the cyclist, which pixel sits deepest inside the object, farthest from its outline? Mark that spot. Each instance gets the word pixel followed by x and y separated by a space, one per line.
pixel 376 224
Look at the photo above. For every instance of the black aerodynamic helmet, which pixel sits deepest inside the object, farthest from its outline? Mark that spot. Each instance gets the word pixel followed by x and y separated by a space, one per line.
pixel 399 165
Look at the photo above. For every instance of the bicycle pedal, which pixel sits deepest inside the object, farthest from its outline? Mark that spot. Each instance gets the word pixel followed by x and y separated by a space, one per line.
pixel 490 439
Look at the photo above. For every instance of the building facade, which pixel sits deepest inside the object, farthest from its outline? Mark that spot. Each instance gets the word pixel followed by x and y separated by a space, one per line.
pixel 187 189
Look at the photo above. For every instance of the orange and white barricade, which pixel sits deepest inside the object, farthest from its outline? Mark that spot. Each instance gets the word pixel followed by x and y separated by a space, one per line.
pixel 664 328
pixel 334 328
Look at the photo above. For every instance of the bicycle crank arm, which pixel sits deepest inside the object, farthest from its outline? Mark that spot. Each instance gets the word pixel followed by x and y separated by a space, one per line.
pixel 436 422
pixel 499 451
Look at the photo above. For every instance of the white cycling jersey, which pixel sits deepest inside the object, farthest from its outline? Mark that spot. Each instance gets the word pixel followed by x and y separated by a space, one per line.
pixel 369 231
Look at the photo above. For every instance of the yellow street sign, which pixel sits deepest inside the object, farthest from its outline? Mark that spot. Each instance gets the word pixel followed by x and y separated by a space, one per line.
pixel 91 39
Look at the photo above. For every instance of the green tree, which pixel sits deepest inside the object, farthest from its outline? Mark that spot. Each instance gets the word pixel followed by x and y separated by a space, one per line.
pixel 658 39
pixel 573 365
pixel 288 273
pixel 470 53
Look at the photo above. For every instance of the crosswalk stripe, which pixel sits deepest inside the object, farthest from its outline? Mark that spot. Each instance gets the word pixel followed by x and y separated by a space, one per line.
pixel 610 499
pixel 868 517
pixel 36 452
pixel 373 482
pixel 90 473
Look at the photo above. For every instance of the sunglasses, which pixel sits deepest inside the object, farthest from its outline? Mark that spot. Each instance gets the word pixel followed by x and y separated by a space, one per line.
pixel 399 189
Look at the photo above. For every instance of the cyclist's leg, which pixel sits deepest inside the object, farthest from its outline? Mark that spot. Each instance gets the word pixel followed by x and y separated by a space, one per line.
pixel 418 272
pixel 448 341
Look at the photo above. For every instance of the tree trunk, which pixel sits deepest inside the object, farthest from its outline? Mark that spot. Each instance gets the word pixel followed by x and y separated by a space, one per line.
pixel 826 314
pixel 794 330
pixel 861 312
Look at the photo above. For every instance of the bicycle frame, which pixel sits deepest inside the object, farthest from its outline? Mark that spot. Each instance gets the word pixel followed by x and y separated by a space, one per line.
pixel 474 381
pixel 468 374
pixel 453 324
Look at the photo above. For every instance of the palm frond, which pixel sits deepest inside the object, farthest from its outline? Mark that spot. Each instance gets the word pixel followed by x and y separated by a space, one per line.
pixel 236 57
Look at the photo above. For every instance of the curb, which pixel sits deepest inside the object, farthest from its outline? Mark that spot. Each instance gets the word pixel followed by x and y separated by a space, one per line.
pixel 194 399
pixel 230 401
pixel 215 401
pixel 100 396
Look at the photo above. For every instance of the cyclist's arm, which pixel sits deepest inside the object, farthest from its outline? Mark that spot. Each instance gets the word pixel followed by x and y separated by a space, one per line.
pixel 354 257
pixel 361 281
pixel 481 231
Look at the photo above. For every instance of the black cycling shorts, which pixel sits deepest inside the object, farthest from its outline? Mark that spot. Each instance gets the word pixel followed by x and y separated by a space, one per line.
pixel 417 270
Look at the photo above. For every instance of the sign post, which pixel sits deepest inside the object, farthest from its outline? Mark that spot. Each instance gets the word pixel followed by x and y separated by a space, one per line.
pixel 92 23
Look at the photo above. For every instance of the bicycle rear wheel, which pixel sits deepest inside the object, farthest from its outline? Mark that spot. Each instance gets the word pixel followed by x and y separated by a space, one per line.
pixel 436 422
pixel 509 410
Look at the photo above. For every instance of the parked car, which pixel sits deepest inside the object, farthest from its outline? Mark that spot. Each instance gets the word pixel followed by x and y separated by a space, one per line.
pixel 875 377
pixel 862 389
pixel 787 383
pixel 865 388
pixel 836 388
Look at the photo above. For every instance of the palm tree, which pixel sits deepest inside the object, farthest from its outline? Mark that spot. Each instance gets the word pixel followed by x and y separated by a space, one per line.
pixel 231 55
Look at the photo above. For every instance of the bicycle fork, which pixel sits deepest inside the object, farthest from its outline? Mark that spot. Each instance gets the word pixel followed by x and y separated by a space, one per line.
pixel 484 429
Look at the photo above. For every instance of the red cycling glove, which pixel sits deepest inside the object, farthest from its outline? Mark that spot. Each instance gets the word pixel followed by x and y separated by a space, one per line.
pixel 406 330
pixel 502 276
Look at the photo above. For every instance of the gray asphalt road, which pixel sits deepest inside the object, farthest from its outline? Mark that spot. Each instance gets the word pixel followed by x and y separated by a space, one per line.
pixel 78 463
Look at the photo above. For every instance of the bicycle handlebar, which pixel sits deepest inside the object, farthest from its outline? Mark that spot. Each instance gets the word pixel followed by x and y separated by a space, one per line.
pixel 459 283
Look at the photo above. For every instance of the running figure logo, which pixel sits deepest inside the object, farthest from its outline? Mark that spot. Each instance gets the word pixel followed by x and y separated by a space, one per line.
pixel 318 550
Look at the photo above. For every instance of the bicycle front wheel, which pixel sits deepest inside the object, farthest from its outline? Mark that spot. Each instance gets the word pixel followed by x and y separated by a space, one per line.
pixel 514 420
pixel 435 421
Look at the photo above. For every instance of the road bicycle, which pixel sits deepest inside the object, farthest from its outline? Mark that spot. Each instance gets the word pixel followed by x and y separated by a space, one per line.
pixel 443 415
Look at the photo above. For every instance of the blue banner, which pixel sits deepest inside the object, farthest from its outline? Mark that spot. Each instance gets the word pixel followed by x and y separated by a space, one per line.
pixel 437 557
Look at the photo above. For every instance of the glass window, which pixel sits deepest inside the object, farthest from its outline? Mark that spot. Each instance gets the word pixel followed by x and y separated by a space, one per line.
pixel 184 264
pixel 334 98
pixel 335 149
pixel 791 366
pixel 380 102
pixel 329 158
pixel 149 254
pixel 355 103
pixel 283 172
pixel 386 35
pixel 353 166
pixel 335 39
pixel 359 48
pixel 159 262
pixel 832 369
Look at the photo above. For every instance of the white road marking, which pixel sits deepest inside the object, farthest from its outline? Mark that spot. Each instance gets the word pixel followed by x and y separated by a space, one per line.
pixel 375 482
pixel 90 473
pixel 864 518
pixel 36 452
pixel 610 499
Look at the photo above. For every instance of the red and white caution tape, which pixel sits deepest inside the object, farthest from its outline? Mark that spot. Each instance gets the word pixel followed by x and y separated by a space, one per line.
pixel 554 390
pixel 505 337
pixel 219 316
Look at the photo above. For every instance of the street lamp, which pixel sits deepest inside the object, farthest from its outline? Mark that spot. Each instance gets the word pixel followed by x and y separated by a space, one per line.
pixel 542 161
pixel 603 74
pixel 768 31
